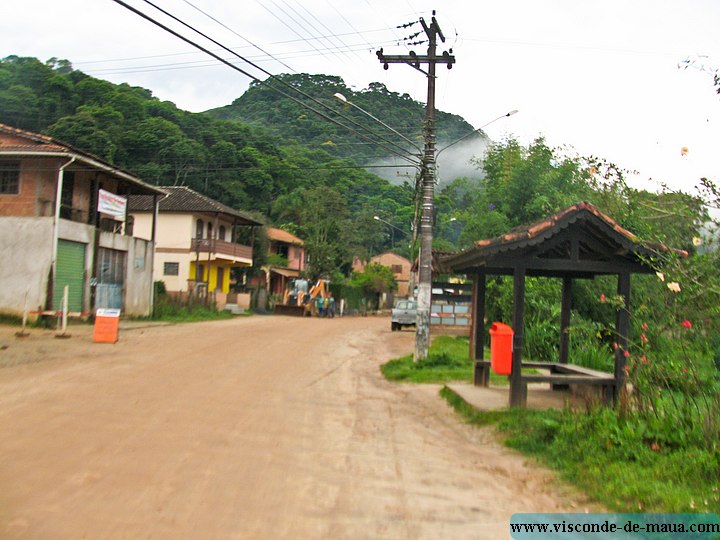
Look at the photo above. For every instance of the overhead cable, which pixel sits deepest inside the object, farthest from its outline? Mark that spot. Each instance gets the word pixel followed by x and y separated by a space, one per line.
pixel 240 70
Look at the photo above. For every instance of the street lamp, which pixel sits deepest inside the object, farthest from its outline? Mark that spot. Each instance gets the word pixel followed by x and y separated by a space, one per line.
pixel 474 131
pixel 392 235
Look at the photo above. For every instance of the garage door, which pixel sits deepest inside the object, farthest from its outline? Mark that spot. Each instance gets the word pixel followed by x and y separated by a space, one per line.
pixel 70 272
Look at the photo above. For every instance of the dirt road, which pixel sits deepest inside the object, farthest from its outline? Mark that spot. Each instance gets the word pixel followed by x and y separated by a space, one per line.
pixel 260 427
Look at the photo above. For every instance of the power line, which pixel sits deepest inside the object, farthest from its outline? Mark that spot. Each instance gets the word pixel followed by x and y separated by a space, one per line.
pixel 238 35
pixel 310 24
pixel 289 27
pixel 192 64
pixel 347 22
pixel 342 42
pixel 351 48
pixel 233 66
pixel 274 78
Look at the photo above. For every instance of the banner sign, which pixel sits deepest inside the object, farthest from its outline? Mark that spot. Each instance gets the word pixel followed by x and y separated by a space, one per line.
pixel 111 204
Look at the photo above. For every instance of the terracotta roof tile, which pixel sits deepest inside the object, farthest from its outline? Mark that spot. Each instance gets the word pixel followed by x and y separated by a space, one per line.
pixel 278 235
pixel 527 235
pixel 30 144
pixel 184 199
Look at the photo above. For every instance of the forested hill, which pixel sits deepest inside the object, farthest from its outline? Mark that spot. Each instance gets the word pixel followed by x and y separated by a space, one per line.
pixel 279 167
pixel 263 106
pixel 245 166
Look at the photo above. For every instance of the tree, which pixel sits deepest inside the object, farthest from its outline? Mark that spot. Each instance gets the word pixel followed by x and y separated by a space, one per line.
pixel 327 230
pixel 375 279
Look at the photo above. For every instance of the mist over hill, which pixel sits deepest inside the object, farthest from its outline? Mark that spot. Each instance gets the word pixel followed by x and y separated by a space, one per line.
pixel 364 139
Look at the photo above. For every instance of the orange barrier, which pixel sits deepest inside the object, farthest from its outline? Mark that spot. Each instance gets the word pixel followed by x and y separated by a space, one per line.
pixel 107 323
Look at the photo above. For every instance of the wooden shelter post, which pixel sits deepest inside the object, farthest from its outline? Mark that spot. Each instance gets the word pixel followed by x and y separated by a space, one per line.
pixel 565 319
pixel 518 396
pixel 622 329
pixel 481 374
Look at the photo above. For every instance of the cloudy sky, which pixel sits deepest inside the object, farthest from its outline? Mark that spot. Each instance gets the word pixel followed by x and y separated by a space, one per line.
pixel 595 77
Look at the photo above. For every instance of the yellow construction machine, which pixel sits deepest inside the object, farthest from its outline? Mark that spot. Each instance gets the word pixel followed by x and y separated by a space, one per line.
pixel 299 298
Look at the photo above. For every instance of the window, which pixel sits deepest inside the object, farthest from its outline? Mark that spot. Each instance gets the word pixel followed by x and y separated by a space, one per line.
pixel 221 233
pixel 9 177
pixel 171 269
pixel 68 192
pixel 209 231
pixel 396 269
pixel 199 228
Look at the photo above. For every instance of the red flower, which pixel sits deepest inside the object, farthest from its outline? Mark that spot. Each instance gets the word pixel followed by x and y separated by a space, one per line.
pixel 602 297
pixel 686 324
pixel 644 326
pixel 626 354
pixel 684 370
pixel 643 338
pixel 615 345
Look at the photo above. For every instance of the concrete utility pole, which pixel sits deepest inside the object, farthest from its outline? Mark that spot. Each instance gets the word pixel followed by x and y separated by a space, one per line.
pixel 424 296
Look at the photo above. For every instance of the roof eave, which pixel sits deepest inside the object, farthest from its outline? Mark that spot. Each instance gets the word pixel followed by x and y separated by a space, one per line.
pixel 92 162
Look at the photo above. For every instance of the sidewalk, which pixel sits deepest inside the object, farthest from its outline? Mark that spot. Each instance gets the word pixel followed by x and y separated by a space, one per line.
pixel 497 397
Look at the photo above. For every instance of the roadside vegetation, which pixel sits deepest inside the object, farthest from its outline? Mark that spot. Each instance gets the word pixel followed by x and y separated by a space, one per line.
pixel 663 460
pixel 656 450
pixel 447 361
pixel 169 309
pixel 620 461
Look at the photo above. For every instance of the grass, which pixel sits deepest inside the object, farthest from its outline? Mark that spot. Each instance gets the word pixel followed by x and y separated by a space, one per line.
pixel 197 314
pixel 169 310
pixel 604 455
pixel 447 361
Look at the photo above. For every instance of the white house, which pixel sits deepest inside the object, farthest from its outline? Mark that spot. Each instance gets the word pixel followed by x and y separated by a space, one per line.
pixel 197 240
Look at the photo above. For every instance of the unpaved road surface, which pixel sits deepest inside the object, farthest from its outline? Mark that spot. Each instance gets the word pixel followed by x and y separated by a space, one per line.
pixel 260 427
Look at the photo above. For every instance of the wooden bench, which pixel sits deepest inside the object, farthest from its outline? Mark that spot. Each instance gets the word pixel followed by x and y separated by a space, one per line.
pixel 561 377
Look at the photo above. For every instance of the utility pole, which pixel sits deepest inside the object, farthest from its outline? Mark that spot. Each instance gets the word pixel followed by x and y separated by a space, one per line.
pixel 424 296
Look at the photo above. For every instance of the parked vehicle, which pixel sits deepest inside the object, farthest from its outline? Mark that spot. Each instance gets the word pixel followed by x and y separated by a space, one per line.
pixel 403 314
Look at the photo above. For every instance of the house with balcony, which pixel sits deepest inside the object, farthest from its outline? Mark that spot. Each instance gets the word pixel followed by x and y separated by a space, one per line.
pixel 199 241
pixel 64 225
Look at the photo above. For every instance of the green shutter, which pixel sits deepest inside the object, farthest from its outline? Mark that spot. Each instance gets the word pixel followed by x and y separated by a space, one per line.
pixel 71 272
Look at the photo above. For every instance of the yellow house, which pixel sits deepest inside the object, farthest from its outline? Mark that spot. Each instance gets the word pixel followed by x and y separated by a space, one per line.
pixel 196 239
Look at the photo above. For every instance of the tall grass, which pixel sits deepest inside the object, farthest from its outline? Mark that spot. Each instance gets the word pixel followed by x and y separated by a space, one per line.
pixel 615 460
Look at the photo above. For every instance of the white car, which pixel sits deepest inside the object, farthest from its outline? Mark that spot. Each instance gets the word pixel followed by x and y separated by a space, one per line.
pixel 403 314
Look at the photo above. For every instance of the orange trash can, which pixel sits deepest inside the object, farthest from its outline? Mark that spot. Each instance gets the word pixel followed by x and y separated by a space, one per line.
pixel 501 348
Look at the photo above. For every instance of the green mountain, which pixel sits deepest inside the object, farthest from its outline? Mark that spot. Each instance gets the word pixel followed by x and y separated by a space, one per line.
pixel 360 137
pixel 300 174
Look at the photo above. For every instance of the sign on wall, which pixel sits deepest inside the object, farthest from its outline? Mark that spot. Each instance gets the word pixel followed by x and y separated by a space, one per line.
pixel 111 204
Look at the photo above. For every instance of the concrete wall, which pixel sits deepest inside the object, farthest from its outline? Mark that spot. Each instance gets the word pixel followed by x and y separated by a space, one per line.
pixel 26 247
pixel 27 243
pixel 296 258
